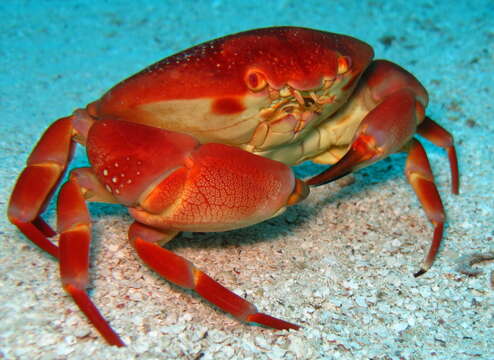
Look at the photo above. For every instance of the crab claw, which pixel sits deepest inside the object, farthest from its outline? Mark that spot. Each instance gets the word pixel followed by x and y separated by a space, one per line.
pixel 394 101
pixel 379 135
pixel 220 188
pixel 171 181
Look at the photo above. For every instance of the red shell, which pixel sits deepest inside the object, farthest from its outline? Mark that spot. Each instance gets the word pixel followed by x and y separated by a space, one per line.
pixel 216 69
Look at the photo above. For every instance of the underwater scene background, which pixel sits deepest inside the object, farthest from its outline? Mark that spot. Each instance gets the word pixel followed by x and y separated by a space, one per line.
pixel 340 264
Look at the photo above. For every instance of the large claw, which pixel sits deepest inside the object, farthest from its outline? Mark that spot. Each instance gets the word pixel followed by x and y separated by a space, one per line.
pixel 171 181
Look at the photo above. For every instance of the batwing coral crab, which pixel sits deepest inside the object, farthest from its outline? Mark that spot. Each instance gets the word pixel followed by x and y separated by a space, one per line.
pixel 203 141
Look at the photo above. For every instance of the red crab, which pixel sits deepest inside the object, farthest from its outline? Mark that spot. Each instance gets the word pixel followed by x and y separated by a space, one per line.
pixel 203 141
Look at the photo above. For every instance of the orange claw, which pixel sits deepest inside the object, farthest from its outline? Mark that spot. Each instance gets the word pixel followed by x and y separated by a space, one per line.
pixel 384 130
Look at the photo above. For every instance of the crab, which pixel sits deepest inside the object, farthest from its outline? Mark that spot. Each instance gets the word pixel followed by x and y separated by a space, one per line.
pixel 204 140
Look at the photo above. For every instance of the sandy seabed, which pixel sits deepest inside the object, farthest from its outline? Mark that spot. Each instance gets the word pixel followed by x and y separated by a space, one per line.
pixel 340 264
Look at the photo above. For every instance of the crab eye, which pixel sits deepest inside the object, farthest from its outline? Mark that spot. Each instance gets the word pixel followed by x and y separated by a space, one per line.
pixel 344 63
pixel 255 81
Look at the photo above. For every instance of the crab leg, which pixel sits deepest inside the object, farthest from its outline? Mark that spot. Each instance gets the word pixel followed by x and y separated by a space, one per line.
pixel 37 182
pixel 436 134
pixel 420 177
pixel 73 223
pixel 183 273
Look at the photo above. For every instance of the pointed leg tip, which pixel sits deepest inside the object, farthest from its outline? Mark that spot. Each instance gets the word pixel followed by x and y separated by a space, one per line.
pixel 117 342
pixel 272 322
pixel 421 272
pixel 37 236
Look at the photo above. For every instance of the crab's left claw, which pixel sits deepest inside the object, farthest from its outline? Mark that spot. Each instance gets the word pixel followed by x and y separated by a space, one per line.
pixel 383 131
pixel 395 101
